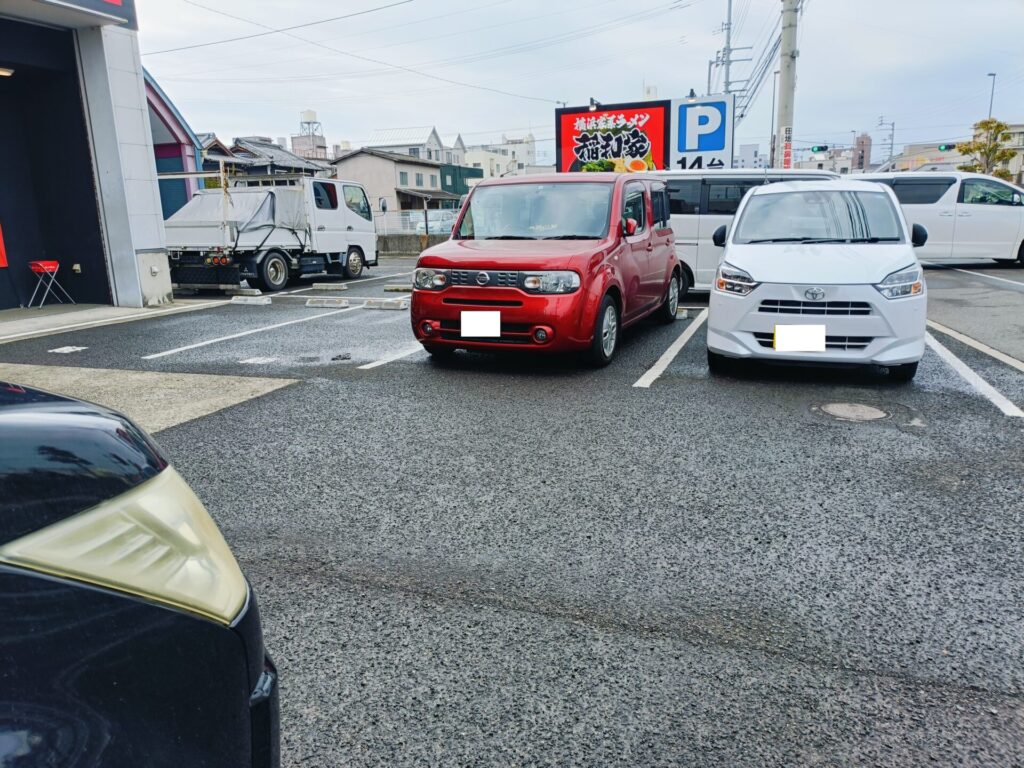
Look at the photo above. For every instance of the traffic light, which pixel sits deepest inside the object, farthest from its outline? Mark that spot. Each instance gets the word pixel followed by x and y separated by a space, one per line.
pixel 947 147
pixel 819 148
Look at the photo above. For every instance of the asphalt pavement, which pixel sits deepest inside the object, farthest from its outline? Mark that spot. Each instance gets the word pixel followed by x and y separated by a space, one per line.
pixel 518 561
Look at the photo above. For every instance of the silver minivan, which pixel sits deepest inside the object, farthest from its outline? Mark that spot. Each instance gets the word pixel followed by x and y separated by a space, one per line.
pixel 702 201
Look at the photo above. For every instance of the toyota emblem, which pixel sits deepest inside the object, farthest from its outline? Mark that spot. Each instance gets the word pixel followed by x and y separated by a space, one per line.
pixel 815 294
pixel 482 278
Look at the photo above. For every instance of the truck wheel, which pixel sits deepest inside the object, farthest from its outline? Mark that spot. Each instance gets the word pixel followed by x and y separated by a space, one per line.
pixel 273 272
pixel 353 264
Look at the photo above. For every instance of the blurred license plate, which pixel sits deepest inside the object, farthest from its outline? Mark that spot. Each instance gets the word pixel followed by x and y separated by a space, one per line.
pixel 480 325
pixel 799 338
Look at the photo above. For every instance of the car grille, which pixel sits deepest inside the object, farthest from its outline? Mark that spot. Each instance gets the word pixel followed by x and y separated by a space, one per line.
pixel 511 333
pixel 495 279
pixel 788 307
pixel 835 343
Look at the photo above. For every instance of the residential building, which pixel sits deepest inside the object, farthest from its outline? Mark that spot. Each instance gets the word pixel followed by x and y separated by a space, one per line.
pixel 926 157
pixel 861 153
pixel 77 152
pixel 422 142
pixel 257 156
pixel 835 160
pixel 750 157
pixel 458 179
pixel 493 163
pixel 454 149
pixel 1015 165
pixel 404 182
pixel 510 156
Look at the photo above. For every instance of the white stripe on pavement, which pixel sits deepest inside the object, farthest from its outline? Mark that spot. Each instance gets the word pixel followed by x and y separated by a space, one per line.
pixel 113 321
pixel 1018 283
pixel 247 333
pixel 1000 356
pixel 391 358
pixel 983 387
pixel 659 367
pixel 352 282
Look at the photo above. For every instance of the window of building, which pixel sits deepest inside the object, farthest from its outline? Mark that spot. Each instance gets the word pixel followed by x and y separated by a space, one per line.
pixel 448 179
pixel 403 178
pixel 356 201
pixel 325 195
pixel 634 207
pixel 414 151
pixel 520 166
pixel 433 180
pixel 448 157
pixel 419 179
pixel 476 165
pixel 430 154
pixel 684 196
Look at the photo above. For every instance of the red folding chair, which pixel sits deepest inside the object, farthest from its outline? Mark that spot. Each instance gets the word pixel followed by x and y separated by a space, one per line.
pixel 46 271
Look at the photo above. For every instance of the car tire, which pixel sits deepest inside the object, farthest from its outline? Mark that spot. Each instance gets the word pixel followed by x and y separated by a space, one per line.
pixel 666 313
pixel 438 352
pixel 720 365
pixel 684 285
pixel 902 374
pixel 274 272
pixel 607 330
pixel 353 264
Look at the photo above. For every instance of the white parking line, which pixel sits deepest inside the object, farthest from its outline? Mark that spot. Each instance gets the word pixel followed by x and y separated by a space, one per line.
pixel 114 320
pixel 659 367
pixel 391 358
pixel 353 282
pixel 1000 356
pixel 983 387
pixel 1018 283
pixel 246 333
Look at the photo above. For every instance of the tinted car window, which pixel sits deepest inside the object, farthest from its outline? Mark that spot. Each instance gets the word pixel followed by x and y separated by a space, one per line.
pixel 325 195
pixel 819 215
pixel 659 202
pixel 684 196
pixel 724 196
pixel 922 192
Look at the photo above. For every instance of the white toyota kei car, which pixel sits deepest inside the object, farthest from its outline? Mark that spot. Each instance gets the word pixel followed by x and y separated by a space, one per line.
pixel 819 272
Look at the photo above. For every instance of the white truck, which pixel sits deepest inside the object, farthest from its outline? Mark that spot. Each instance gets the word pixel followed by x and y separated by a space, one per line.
pixel 271 234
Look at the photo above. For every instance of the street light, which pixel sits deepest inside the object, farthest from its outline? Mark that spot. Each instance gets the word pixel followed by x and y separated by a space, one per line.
pixel 594 104
pixel 992 94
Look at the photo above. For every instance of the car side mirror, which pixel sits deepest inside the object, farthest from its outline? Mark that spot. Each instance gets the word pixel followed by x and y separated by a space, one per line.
pixel 718 238
pixel 1017 199
pixel 629 227
pixel 918 235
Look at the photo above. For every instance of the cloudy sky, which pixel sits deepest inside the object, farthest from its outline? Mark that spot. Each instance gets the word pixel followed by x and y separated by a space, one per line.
pixel 483 67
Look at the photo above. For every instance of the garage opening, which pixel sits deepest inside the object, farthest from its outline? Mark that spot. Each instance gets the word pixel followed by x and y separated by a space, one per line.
pixel 48 203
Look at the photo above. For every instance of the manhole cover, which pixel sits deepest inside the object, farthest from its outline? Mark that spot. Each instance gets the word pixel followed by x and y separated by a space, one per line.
pixel 853 411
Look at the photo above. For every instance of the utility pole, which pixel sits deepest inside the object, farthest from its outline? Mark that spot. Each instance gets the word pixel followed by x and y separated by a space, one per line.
pixel 727 51
pixel 787 79
pixel 771 139
pixel 892 135
pixel 992 94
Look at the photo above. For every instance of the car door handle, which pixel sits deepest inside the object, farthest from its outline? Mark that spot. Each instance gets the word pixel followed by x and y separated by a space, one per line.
pixel 650 247
pixel 946 213
pixel 963 214
pixel 321 228
pixel 349 228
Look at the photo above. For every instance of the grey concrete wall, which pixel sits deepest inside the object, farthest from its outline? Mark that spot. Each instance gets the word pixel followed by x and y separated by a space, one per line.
pixel 404 245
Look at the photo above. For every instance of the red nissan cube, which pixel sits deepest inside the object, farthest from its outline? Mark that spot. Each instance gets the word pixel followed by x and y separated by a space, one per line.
pixel 549 263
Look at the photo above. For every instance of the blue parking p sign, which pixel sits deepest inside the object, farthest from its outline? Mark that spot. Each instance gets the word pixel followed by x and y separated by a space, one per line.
pixel 702 132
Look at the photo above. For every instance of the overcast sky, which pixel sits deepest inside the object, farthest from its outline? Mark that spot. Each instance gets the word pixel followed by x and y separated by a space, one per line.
pixel 920 63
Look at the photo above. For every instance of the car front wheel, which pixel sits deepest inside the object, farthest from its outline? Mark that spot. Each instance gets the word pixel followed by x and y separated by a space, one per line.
pixel 353 264
pixel 606 333
pixel 902 374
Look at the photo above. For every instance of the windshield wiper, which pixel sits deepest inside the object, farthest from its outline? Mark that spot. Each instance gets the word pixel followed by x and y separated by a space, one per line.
pixel 569 237
pixel 781 240
pixel 873 240
pixel 509 237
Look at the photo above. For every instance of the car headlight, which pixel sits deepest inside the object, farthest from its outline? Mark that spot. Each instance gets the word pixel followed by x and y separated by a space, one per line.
pixel 549 282
pixel 430 279
pixel 156 541
pixel 731 279
pixel 899 285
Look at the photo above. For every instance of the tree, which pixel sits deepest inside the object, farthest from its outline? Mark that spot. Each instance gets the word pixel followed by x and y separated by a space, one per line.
pixel 988 150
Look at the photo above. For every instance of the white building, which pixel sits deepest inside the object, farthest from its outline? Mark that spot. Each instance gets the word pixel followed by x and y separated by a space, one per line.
pixel 835 160
pixel 421 142
pixel 511 155
pixel 493 163
pixel 454 149
pixel 404 182
pixel 76 91
pixel 750 157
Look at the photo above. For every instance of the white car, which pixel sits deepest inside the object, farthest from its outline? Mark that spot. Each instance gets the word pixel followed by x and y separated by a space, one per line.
pixel 819 272
pixel 967 215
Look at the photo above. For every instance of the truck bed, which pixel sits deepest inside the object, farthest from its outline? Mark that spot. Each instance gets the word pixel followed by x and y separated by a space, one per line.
pixel 242 218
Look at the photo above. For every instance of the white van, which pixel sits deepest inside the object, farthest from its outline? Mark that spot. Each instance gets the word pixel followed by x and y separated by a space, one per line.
pixel 270 234
pixel 967 215
pixel 702 201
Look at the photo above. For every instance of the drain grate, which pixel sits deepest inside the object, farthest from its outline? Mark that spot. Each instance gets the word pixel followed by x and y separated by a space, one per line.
pixel 853 412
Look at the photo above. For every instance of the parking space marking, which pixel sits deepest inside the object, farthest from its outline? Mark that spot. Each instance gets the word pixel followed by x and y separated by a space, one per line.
pixel 659 367
pixel 66 350
pixel 257 360
pixel 1000 356
pixel 251 331
pixel 980 385
pixel 353 282
pixel 113 321
pixel 1019 284
pixel 391 358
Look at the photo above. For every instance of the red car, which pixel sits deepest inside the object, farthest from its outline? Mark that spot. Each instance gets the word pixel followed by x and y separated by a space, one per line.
pixel 555 263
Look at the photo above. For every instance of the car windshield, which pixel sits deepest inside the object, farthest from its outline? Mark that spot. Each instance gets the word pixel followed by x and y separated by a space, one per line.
pixel 822 216
pixel 554 211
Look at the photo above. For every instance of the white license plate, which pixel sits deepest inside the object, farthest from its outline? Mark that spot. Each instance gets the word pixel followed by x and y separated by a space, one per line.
pixel 480 325
pixel 799 338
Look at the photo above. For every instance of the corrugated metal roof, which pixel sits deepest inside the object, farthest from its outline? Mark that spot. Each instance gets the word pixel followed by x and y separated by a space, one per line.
pixel 272 153
pixel 397 157
pixel 393 137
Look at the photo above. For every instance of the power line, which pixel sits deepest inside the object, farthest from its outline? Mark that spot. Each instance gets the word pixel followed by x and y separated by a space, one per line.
pixel 272 31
